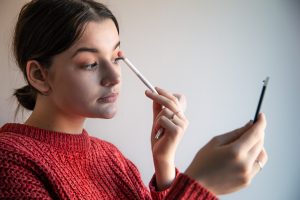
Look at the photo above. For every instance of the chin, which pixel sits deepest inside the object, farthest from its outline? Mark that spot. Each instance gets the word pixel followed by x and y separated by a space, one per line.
pixel 102 116
pixel 105 115
pixel 107 112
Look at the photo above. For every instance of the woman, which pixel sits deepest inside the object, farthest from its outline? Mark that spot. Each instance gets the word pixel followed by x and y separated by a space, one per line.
pixel 67 51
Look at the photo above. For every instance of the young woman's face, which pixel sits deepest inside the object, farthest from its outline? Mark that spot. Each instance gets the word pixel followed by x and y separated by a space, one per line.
pixel 85 79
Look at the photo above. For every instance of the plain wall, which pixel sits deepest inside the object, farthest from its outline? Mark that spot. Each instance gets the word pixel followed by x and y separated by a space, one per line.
pixel 216 53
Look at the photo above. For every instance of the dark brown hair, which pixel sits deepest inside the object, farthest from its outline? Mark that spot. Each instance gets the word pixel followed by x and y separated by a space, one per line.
pixel 46 28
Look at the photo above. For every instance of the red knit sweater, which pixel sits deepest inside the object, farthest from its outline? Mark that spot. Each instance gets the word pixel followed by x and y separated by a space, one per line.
pixel 40 164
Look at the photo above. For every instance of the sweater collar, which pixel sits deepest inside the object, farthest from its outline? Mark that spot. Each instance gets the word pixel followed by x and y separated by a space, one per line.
pixel 61 140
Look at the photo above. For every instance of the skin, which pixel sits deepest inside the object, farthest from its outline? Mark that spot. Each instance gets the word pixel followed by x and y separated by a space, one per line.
pixel 224 165
pixel 230 159
pixel 84 84
pixel 66 106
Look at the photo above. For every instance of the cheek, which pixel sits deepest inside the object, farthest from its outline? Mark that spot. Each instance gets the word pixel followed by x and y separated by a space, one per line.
pixel 76 89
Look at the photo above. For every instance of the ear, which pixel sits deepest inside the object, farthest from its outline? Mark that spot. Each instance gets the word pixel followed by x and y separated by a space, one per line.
pixel 37 76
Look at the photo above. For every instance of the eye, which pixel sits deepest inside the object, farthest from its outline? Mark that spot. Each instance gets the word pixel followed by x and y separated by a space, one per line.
pixel 91 66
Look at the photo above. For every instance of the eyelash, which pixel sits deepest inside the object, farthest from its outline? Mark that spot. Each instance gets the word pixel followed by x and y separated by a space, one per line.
pixel 116 61
pixel 95 64
pixel 91 66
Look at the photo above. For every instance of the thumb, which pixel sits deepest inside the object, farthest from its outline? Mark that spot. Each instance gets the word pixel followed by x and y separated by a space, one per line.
pixel 231 136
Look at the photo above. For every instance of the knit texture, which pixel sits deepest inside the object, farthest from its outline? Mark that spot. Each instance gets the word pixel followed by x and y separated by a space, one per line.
pixel 41 164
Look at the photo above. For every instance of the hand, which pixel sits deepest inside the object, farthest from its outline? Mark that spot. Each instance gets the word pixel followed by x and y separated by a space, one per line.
pixel 229 161
pixel 167 114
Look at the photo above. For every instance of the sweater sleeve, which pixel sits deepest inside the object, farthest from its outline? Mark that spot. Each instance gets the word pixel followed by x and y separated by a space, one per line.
pixel 159 194
pixel 182 188
pixel 18 181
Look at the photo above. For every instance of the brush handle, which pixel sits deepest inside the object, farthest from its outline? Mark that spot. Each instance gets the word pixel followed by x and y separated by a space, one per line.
pixel 261 98
pixel 139 75
pixel 148 84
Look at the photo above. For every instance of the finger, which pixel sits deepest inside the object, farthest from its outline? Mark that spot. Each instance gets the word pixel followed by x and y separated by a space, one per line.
pixel 253 134
pixel 158 112
pixel 156 107
pixel 179 121
pixel 164 112
pixel 163 101
pixel 174 117
pixel 182 101
pixel 255 150
pixel 228 138
pixel 171 115
pixel 168 125
pixel 179 99
pixel 167 94
pixel 262 159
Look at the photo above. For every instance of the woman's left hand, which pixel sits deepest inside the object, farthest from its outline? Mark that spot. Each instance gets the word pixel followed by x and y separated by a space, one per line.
pixel 167 114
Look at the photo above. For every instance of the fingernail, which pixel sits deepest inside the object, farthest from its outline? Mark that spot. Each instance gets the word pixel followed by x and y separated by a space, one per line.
pixel 147 92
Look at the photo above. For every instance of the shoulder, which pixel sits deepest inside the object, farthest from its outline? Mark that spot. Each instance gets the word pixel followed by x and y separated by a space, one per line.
pixel 14 142
pixel 107 150
pixel 16 155
pixel 20 149
pixel 15 147
pixel 19 175
pixel 104 145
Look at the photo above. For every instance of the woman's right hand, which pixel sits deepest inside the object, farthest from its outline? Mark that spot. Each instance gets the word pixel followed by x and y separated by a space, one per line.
pixel 229 162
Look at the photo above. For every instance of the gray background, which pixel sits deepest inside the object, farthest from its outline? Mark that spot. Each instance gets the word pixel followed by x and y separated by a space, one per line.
pixel 216 53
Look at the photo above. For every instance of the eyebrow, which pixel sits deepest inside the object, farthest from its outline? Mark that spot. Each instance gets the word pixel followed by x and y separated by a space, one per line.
pixel 92 50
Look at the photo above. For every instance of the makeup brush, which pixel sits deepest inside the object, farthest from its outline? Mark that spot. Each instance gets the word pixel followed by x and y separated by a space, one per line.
pixel 136 71
pixel 142 78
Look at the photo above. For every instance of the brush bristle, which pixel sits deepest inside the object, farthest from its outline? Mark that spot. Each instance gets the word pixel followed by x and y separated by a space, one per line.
pixel 121 54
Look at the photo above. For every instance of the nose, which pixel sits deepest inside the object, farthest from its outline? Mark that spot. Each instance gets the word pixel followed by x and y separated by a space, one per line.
pixel 111 74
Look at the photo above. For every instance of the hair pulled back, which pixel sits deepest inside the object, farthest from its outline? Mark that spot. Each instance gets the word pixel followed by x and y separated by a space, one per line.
pixel 46 28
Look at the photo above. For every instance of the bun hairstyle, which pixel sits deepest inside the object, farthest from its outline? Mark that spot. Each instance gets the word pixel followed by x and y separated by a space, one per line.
pixel 46 28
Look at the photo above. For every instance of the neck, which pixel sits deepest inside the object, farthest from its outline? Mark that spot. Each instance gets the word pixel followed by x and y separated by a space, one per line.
pixel 50 118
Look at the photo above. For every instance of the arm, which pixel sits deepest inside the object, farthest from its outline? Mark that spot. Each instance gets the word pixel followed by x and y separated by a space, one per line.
pixel 167 114
pixel 183 187
pixel 226 164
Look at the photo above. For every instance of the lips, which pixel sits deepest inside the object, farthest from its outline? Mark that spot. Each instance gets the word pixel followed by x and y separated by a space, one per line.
pixel 109 98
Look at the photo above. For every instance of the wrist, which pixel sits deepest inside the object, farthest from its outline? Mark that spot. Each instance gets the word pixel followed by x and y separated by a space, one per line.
pixel 199 177
pixel 165 173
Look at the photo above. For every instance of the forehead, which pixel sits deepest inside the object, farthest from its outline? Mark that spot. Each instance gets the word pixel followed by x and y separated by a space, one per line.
pixel 102 35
